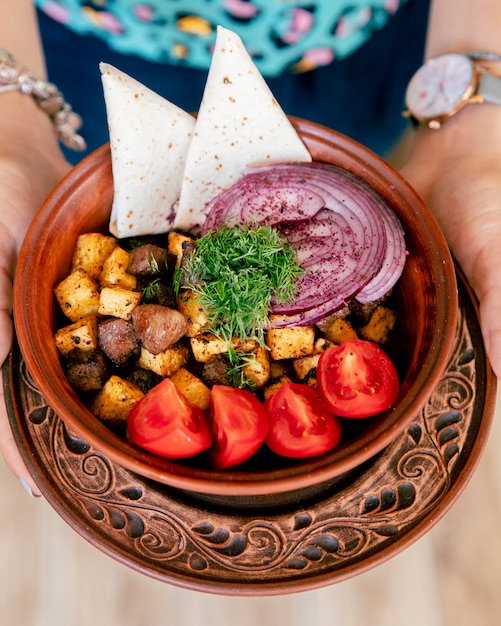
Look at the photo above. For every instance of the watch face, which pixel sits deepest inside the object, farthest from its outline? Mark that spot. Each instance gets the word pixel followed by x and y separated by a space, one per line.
pixel 439 86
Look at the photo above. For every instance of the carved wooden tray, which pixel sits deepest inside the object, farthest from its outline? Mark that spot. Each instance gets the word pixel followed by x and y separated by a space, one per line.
pixel 218 546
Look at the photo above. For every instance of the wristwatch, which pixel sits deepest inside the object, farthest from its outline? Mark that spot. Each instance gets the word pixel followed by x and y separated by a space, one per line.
pixel 444 85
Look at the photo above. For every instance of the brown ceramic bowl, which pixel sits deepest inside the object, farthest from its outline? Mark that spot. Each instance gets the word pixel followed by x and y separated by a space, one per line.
pixel 426 328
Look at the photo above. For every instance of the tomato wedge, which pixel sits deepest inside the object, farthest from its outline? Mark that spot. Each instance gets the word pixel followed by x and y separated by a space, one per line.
pixel 300 424
pixel 165 423
pixel 357 379
pixel 240 426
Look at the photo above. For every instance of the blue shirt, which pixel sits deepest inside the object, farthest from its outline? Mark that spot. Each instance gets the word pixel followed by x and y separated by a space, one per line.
pixel 296 35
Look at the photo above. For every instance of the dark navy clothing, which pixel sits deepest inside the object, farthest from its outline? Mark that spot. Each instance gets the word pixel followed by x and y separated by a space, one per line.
pixel 361 96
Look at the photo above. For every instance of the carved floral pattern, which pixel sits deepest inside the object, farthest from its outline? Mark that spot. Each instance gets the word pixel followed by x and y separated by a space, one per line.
pixel 163 534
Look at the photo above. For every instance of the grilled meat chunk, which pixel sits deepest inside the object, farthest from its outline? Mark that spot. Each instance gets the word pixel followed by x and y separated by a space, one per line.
pixel 87 371
pixel 157 327
pixel 148 260
pixel 144 379
pixel 215 370
pixel 118 341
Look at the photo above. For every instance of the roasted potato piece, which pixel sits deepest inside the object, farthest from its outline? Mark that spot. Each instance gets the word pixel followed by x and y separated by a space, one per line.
pixel 206 346
pixel 306 366
pixel 339 330
pixel 189 306
pixel 380 325
pixel 194 390
pixel 165 363
pixel 270 389
pixel 322 344
pixel 78 295
pixel 175 243
pixel 327 321
pixel 91 251
pixel 81 335
pixel 114 402
pixel 118 302
pixel 115 272
pixel 257 370
pixel 290 343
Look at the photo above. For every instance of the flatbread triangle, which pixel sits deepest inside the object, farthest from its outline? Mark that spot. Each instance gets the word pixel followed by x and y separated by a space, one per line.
pixel 149 139
pixel 239 124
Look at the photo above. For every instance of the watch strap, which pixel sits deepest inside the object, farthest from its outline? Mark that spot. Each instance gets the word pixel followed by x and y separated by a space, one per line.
pixel 489 88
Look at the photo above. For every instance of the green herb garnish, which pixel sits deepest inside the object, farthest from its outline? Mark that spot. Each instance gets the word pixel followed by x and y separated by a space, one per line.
pixel 236 374
pixel 236 271
pixel 152 289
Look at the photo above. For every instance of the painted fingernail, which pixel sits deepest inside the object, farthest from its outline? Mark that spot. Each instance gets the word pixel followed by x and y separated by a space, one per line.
pixel 28 489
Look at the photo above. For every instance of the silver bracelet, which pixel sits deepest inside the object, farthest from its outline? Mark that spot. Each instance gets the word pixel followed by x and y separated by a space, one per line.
pixel 47 96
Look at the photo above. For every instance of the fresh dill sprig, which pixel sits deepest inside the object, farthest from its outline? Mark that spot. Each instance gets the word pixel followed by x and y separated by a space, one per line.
pixel 176 280
pixel 235 272
pixel 154 265
pixel 236 372
pixel 152 289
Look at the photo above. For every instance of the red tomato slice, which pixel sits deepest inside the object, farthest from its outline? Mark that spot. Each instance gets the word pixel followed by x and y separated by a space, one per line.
pixel 165 423
pixel 300 424
pixel 240 426
pixel 357 379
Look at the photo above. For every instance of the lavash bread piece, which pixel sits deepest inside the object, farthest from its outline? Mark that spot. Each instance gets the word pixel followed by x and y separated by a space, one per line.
pixel 149 139
pixel 239 124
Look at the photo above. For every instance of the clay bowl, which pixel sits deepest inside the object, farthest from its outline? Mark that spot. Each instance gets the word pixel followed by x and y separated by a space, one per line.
pixel 427 307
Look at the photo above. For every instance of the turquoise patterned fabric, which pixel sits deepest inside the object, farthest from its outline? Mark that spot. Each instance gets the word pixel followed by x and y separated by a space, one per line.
pixel 279 34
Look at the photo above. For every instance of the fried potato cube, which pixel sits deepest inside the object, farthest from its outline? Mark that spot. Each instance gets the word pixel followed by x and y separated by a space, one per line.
pixel 165 363
pixel 247 345
pixel 115 272
pixel 91 250
pixel 290 343
pixel 189 305
pixel 118 302
pixel 321 344
pixel 82 334
pixel 326 321
pixel 206 346
pixel 270 389
pixel 194 390
pixel 175 243
pixel 380 325
pixel 257 369
pixel 339 330
pixel 78 295
pixel 306 366
pixel 114 402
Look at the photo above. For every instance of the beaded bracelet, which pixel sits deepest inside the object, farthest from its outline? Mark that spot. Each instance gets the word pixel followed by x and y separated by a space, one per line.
pixel 47 96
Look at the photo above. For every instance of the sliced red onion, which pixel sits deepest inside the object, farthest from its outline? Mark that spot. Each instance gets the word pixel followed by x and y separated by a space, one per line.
pixel 252 201
pixel 347 238
pixel 326 223
pixel 393 262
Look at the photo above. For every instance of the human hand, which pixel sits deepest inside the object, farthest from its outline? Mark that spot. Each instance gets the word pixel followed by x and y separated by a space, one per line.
pixel 458 174
pixel 25 181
